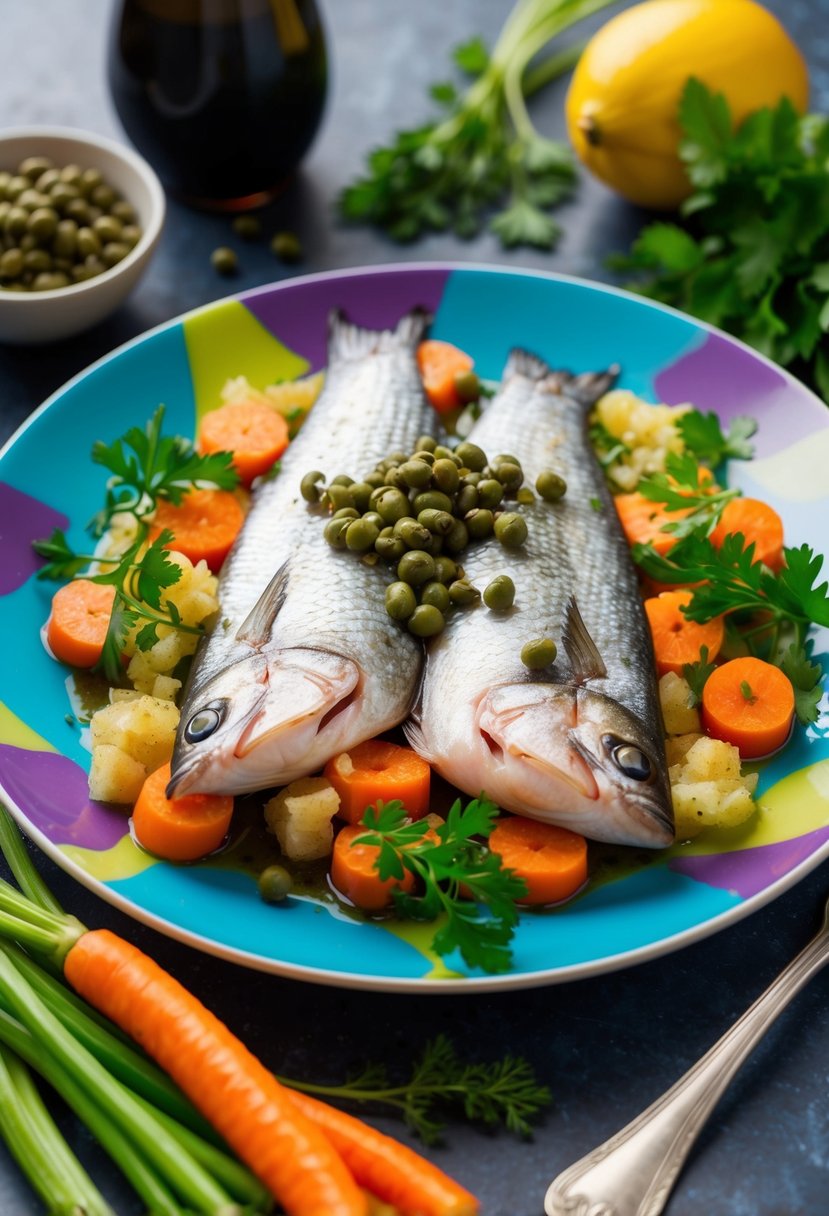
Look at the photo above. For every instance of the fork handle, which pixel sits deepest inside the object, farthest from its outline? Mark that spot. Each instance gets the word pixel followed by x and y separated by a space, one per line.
pixel 632 1173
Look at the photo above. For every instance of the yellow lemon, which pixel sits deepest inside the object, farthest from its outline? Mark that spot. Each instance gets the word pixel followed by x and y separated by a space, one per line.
pixel 623 99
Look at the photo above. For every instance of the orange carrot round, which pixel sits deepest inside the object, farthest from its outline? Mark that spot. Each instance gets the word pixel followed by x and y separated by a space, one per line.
pixel 377 770
pixel 748 703
pixel 643 521
pixel 440 363
pixel 759 523
pixel 676 639
pixel 391 1171
pixel 204 525
pixel 77 627
pixel 179 829
pixel 256 435
pixel 354 875
pixel 551 860
pixel 256 1115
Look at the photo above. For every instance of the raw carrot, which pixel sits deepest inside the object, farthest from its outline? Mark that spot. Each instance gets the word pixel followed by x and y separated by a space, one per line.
pixel 233 1090
pixel 179 829
pixel 551 860
pixel 759 523
pixel 390 1170
pixel 354 875
pixel 643 521
pixel 77 627
pixel 377 770
pixel 748 703
pixel 440 363
pixel 256 435
pixel 676 639
pixel 204 525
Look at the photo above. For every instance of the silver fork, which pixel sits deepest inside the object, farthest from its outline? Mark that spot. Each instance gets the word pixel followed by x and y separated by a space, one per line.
pixel 632 1174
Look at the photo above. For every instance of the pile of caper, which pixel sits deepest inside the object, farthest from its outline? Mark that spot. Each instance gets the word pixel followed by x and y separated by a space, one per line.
pixel 418 511
pixel 60 226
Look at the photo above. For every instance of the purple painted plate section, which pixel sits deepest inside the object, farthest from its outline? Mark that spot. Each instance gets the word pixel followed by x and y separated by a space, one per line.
pixel 55 793
pixel 300 318
pixel 22 520
pixel 720 376
pixel 751 871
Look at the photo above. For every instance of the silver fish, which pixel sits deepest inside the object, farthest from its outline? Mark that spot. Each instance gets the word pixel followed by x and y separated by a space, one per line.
pixel 580 744
pixel 304 661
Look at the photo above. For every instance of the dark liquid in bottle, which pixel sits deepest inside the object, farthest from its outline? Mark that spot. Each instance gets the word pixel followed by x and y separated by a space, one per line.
pixel 222 97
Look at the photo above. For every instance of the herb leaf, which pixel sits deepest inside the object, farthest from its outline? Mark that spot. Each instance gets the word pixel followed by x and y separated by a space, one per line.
pixel 703 436
pixel 696 675
pixel 806 678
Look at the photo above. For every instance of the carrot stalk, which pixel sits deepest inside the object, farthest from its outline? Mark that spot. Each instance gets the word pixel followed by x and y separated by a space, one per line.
pixel 13 847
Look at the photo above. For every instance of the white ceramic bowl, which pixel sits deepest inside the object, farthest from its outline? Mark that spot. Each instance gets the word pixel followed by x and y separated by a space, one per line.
pixel 44 316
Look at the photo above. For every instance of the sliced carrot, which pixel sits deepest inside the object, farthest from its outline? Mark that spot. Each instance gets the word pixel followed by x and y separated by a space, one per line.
pixel 77 627
pixel 179 829
pixel 551 860
pixel 643 521
pixel 676 639
pixel 354 875
pixel 748 703
pixel 204 525
pixel 391 1171
pixel 256 1115
pixel 256 435
pixel 440 363
pixel 377 770
pixel 759 523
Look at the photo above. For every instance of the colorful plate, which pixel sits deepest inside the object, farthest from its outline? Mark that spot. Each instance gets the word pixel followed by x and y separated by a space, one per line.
pixel 46 480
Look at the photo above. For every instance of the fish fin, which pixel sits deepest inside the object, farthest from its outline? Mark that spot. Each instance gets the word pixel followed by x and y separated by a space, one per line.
pixel 347 341
pixel 524 363
pixel 256 627
pixel 417 740
pixel 588 387
pixel 582 651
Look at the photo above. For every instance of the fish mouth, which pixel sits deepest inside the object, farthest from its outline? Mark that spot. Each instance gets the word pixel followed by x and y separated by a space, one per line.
pixel 578 775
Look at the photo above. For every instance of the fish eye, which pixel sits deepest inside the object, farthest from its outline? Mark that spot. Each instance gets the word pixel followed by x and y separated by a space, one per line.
pixel 202 724
pixel 630 759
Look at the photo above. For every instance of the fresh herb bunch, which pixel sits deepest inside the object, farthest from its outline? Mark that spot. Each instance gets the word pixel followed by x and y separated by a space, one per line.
pixel 753 254
pixel 686 485
pixel 447 860
pixel 503 1091
pixel 485 155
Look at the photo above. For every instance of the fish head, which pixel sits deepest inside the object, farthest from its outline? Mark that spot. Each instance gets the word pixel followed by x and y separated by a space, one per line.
pixel 264 721
pixel 575 757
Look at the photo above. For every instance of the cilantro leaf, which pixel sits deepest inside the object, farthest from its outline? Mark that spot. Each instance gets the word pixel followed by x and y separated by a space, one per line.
pixel 806 678
pixel 798 578
pixel 697 675
pixel 62 561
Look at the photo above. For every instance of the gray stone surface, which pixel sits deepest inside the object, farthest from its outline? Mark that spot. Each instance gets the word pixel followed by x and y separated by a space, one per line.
pixel 606 1046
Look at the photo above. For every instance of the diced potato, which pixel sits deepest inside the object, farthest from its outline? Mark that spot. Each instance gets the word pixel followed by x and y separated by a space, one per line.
pixel 707 787
pixel 165 688
pixel 300 818
pixel 674 696
pixel 712 760
pixel 649 431
pixel 114 776
pixel 144 729
pixel 285 397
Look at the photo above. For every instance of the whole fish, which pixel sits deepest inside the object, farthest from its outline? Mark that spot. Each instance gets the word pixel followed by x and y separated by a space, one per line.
pixel 304 662
pixel 580 744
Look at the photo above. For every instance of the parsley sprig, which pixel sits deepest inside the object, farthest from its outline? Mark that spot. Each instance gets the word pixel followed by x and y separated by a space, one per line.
pixel 703 436
pixel 753 253
pixel 684 486
pixel 480 922
pixel 503 1091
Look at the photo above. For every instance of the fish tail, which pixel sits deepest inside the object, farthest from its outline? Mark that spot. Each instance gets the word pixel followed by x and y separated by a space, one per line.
pixel 524 363
pixel 588 387
pixel 347 341
pixel 585 388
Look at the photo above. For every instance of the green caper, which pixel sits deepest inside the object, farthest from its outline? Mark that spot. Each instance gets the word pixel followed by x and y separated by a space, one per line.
pixel 397 457
pixel 107 228
pixel 361 535
pixel 346 513
pixel 506 458
pixel 17 219
pixel 274 884
pixel 30 199
pixel 131 234
pixel 43 223
pixel 425 443
pixel 425 457
pixel 81 272
pixel 511 529
pixel 401 601
pixel 125 212
pixel 426 621
pixel 337 496
pixel 466 500
pixel 550 485
pixel 94 265
pixel 445 569
pixel 50 281
pixel 335 531
pixel 415 473
pixel 309 487
pixel 62 194
pixel 462 593
pixel 490 493
pixel 224 260
pixel 64 264
pixel 103 196
pixel 479 523
pixel 390 548
pixel 26 242
pixel 90 178
pixel 457 540
pixel 78 210
pixel 393 477
pixel 286 246
pixel 391 504
pixel 416 568
pixel 375 480
pixel 361 493
pixel 37 260
pixel 71 174
pixel 525 496
pixel 539 653
pixel 472 478
pixel 432 500
pixel 248 227
pixel 88 242
pixel 434 545
pixel 114 252
pixel 342 479
pixel 412 532
pixel 34 166
pixel 435 593
pixel 444 453
pixel 66 239
pixel 15 187
pixel 499 595
pixel 467 386
pixel 11 264
pixel 445 475
pixel 439 522
pixel 509 474
pixel 373 518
